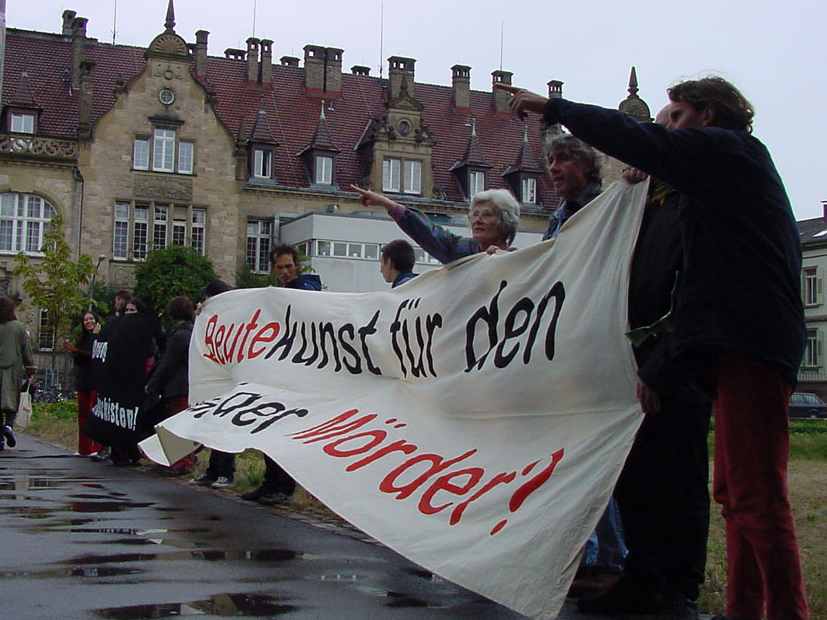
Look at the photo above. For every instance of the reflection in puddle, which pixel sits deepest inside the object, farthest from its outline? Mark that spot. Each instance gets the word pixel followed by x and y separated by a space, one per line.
pixel 84 571
pixel 218 605
pixel 260 555
pixel 29 512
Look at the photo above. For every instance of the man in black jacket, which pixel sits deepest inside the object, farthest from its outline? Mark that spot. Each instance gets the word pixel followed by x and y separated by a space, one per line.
pixel 277 486
pixel 738 316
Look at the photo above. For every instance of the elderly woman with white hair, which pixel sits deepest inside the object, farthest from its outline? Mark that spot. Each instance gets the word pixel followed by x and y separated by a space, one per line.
pixel 493 217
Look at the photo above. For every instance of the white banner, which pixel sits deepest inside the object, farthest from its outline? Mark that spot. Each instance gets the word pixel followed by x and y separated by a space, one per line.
pixel 475 419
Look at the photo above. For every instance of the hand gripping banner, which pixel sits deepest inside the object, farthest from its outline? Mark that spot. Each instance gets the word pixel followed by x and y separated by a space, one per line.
pixel 474 419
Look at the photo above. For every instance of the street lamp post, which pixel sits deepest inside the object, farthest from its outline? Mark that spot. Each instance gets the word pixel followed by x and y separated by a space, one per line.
pixel 101 258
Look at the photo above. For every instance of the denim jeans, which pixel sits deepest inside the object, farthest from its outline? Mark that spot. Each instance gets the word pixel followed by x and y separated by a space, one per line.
pixel 606 548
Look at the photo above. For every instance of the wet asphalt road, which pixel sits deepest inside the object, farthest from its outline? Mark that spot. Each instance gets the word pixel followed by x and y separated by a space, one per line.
pixel 88 540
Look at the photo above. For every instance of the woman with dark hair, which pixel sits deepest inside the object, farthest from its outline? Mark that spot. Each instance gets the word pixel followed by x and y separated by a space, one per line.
pixel 15 367
pixel 170 380
pixel 81 351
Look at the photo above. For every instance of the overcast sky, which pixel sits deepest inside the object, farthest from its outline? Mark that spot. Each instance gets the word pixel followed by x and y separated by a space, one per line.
pixel 773 51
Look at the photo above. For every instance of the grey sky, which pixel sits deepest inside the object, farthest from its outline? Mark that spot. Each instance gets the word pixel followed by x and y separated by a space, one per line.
pixel 773 52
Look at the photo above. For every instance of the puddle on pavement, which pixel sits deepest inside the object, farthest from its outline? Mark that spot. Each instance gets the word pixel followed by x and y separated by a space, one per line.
pixel 84 571
pixel 210 555
pixel 256 605
pixel 399 600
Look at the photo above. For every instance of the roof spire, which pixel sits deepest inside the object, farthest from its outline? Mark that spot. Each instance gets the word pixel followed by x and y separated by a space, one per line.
pixel 169 24
pixel 321 114
pixel 632 80
pixel 525 131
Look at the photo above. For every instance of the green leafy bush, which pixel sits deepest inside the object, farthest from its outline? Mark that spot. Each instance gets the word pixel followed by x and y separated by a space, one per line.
pixel 170 272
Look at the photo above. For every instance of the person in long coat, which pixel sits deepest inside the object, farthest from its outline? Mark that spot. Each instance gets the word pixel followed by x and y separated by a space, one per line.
pixel 16 366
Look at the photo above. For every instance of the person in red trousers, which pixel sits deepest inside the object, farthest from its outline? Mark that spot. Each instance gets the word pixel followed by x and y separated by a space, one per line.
pixel 81 351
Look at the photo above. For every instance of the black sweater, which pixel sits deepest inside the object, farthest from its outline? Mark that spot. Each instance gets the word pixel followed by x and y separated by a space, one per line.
pixel 740 286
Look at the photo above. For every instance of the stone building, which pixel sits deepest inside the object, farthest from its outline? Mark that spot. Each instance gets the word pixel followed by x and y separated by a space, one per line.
pixel 141 148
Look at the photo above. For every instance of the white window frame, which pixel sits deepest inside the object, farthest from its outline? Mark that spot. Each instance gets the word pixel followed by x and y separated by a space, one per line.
pixel 163 150
pixel 198 232
pixel 260 241
pixel 21 224
pixel 21 123
pixel 812 352
pixel 262 163
pixel 323 170
pixel 186 157
pixel 812 287
pixel 179 226
pixel 476 182
pixel 140 242
pixel 45 332
pixel 160 223
pixel 528 190
pixel 412 177
pixel 140 154
pixel 120 232
pixel 391 174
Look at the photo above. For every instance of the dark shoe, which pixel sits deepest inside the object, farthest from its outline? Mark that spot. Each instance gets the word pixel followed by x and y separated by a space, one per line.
pixel 8 433
pixel 274 498
pixel 628 595
pixel 255 494
pixel 204 480
pixel 101 455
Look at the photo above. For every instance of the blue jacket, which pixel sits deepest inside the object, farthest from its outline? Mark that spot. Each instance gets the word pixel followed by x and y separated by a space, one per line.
pixel 403 277
pixel 740 283
pixel 444 246
pixel 568 208
pixel 307 282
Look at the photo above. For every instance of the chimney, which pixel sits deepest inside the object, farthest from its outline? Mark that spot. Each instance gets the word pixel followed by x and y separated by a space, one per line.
pixel 78 44
pixel 232 53
pixel 85 101
pixel 501 98
pixel 824 209
pixel 323 68
pixel 555 89
pixel 289 61
pixel 201 52
pixel 252 59
pixel 68 18
pixel 360 70
pixel 461 82
pixel 401 75
pixel 266 61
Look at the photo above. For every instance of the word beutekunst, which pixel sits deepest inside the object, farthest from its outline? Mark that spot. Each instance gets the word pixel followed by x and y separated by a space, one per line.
pixel 474 419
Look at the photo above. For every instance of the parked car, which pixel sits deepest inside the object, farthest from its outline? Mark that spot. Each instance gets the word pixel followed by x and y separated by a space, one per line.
pixel 807 405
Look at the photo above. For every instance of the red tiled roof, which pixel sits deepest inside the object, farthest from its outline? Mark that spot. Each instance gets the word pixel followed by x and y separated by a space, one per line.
pixel 292 114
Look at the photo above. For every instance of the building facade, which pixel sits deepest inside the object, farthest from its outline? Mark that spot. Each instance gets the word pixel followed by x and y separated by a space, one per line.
pixel 142 148
pixel 812 376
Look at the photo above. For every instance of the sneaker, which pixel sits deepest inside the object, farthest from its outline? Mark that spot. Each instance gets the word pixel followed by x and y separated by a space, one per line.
pixel 222 482
pixel 8 433
pixel 100 455
pixel 204 480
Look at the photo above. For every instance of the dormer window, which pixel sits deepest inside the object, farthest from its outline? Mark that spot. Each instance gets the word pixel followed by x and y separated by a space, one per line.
pixel 476 182
pixel 22 123
pixel 528 190
pixel 324 170
pixel 402 175
pixel 262 163
pixel 391 173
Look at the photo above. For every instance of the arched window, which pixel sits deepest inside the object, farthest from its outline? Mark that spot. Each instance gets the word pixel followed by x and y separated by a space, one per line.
pixel 23 220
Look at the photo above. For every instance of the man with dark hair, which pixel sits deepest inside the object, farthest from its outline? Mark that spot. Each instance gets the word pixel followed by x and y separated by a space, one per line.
pixel 122 297
pixel 277 486
pixel 574 169
pixel 396 262
pixel 738 319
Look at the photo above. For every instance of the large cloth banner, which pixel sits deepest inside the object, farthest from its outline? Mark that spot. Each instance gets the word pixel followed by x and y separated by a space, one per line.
pixel 119 355
pixel 474 419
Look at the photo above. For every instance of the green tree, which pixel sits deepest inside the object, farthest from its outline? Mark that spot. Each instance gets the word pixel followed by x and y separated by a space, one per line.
pixel 55 283
pixel 173 271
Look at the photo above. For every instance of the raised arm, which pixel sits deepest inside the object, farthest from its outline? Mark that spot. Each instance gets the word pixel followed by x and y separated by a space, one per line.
pixel 435 240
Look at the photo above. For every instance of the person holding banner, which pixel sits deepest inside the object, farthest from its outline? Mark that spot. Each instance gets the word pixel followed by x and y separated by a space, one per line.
pixel 81 351
pixel 738 227
pixel 277 486
pixel 396 262
pixel 493 216
pixel 16 366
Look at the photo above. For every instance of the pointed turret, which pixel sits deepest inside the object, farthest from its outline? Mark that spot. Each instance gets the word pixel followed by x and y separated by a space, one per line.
pixel 633 105
pixel 169 24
